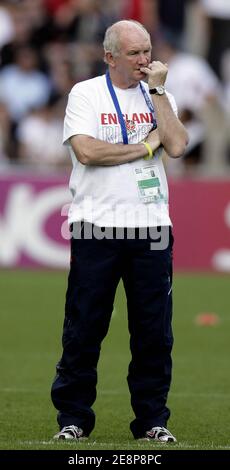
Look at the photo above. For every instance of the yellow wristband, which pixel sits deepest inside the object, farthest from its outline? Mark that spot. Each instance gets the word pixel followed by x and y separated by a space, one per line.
pixel 150 152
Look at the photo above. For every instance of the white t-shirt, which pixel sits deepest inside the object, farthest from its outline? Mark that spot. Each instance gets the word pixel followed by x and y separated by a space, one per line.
pixel 108 196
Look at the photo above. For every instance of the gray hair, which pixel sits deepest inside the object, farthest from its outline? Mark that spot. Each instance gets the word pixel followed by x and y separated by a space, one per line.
pixel 112 35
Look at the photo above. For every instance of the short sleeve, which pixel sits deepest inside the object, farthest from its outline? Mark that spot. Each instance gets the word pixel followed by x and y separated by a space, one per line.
pixel 80 117
pixel 172 101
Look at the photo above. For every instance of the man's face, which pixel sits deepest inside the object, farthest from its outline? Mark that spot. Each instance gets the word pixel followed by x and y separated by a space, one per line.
pixel 135 52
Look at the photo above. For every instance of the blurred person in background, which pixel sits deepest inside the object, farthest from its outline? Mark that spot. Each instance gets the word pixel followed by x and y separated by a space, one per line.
pixel 7 25
pixel 225 67
pixel 216 16
pixel 116 127
pixel 199 96
pixel 39 137
pixel 22 85
pixel 22 30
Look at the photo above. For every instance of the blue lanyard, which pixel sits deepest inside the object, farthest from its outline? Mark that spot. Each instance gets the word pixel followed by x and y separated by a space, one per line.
pixel 147 99
pixel 118 109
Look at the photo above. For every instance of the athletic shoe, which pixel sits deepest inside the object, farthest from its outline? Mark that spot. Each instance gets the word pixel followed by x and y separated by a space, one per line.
pixel 160 434
pixel 70 433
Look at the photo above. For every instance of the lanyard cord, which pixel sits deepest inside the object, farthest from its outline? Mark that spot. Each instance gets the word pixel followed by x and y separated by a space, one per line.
pixel 118 109
pixel 147 99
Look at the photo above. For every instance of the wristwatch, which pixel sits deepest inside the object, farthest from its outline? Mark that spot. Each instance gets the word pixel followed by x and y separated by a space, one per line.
pixel 158 90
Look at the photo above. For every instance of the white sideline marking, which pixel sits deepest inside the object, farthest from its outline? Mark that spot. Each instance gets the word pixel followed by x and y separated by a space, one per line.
pixel 53 442
pixel 30 443
pixel 111 444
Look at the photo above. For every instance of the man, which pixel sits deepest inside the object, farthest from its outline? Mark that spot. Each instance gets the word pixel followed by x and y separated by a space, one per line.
pixel 114 124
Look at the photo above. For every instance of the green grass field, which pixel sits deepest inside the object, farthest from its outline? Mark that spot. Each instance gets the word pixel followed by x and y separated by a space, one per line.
pixel 30 344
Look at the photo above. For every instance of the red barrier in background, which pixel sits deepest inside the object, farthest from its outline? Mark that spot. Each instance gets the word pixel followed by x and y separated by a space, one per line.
pixel 31 222
pixel 200 211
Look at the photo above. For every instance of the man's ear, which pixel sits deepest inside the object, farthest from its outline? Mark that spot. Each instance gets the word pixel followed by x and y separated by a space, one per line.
pixel 109 59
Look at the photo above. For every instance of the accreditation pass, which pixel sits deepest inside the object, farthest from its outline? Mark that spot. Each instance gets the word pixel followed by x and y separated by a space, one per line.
pixel 148 183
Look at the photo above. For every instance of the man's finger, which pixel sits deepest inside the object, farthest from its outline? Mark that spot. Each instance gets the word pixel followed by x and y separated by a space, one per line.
pixel 145 69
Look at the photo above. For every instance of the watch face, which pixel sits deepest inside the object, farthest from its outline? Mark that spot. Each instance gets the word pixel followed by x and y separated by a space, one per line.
pixel 160 90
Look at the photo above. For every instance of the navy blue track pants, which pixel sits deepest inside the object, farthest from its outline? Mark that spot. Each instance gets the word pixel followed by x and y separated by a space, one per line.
pixel 96 268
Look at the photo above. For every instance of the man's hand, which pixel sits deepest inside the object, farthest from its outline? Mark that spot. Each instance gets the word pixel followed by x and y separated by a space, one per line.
pixel 172 133
pixel 156 72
